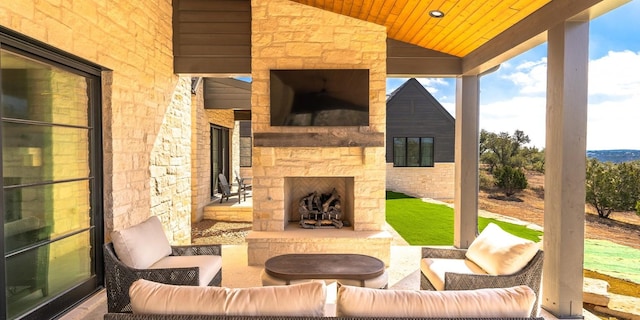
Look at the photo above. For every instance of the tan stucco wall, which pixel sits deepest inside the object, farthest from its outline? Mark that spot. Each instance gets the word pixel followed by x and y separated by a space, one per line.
pixel 146 108
pixel 435 182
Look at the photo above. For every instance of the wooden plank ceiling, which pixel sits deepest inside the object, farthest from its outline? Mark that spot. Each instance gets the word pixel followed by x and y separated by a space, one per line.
pixel 465 26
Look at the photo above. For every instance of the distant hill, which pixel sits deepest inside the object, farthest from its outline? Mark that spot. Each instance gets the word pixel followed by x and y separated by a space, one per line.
pixel 615 156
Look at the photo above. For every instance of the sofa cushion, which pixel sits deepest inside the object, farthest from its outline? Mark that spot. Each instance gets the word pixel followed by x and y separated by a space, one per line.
pixel 149 297
pixel 499 252
pixel 208 266
pixel 434 269
pixel 484 303
pixel 141 245
pixel 305 299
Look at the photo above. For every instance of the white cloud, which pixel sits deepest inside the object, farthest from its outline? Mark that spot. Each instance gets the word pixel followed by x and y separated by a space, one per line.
pixel 614 102
pixel 614 124
pixel 531 77
pixel 616 74
pixel 519 113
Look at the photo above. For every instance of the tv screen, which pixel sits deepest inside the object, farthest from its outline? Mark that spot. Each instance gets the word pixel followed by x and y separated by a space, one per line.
pixel 319 97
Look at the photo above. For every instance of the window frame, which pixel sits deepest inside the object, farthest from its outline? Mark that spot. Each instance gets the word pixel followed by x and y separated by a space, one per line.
pixel 19 44
pixel 406 156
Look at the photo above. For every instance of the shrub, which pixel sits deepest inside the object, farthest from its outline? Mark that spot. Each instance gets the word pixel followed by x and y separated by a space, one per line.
pixel 485 180
pixel 638 207
pixel 510 180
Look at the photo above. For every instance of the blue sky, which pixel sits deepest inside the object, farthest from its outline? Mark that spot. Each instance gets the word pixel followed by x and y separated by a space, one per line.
pixel 514 97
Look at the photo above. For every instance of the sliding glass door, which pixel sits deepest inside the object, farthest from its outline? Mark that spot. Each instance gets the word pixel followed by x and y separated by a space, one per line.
pixel 51 186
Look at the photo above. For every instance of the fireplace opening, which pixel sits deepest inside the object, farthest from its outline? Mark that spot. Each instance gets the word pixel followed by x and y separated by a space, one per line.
pixel 319 202
pixel 321 210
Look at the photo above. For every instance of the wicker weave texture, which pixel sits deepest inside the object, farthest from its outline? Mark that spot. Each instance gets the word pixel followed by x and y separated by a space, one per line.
pixel 530 275
pixel 119 277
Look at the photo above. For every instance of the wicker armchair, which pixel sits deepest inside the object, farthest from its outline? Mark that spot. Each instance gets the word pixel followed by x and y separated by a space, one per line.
pixel 119 277
pixel 530 275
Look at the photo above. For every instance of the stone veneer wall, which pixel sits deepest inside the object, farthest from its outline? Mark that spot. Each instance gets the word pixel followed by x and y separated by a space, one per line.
pixel 146 107
pixel 288 35
pixel 201 152
pixel 435 182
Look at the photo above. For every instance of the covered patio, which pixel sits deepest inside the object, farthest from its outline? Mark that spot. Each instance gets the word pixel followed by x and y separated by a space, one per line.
pixel 462 39
pixel 152 121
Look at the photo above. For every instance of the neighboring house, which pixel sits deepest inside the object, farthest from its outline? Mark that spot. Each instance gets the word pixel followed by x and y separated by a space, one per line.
pixel 420 143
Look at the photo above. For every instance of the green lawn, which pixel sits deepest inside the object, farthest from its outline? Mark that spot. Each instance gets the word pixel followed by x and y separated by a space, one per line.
pixel 421 223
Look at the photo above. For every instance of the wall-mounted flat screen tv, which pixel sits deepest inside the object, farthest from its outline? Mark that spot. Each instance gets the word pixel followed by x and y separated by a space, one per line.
pixel 319 97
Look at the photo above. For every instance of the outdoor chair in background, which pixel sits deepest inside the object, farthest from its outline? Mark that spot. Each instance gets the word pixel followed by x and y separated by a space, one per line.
pixel 225 190
pixel 243 183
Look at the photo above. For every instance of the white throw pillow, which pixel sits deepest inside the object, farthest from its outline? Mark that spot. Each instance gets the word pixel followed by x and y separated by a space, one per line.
pixel 513 302
pixel 304 299
pixel 149 297
pixel 499 252
pixel 141 245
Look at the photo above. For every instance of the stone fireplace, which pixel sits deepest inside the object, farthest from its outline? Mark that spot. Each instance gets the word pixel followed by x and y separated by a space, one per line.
pixel 290 162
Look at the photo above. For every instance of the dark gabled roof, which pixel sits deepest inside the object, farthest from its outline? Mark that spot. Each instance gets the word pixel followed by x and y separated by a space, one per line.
pixel 415 83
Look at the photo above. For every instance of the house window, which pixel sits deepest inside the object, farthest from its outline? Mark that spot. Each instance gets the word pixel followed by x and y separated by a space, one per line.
pixel 245 151
pixel 413 152
pixel 51 180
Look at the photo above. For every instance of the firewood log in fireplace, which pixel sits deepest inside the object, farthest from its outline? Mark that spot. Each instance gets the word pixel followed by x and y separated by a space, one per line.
pixel 317 210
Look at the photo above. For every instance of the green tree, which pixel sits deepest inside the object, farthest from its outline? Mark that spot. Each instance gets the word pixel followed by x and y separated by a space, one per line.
pixel 628 185
pixel 511 180
pixel 502 149
pixel 601 187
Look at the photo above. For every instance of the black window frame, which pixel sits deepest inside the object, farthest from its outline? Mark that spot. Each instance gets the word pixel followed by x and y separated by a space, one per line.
pixel 406 156
pixel 14 42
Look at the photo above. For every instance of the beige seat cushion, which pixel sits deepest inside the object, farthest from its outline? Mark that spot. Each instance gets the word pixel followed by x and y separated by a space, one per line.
pixel 499 252
pixel 305 299
pixel 208 265
pixel 141 245
pixel 434 269
pixel 484 303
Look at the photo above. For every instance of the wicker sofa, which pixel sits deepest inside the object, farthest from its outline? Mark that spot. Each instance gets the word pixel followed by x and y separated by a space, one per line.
pixel 316 300
pixel 128 316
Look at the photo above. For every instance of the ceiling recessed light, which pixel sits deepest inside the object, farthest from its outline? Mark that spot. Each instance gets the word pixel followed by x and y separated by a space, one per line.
pixel 436 13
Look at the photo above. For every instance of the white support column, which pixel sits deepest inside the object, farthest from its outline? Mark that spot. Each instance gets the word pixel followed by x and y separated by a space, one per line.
pixel 565 154
pixel 466 158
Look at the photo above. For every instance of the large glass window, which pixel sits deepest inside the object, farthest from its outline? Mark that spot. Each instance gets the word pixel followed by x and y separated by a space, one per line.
pixel 413 152
pixel 51 205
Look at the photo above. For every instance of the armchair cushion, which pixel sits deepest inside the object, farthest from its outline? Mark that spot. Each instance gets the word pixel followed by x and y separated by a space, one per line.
pixel 141 245
pixel 434 269
pixel 208 266
pixel 499 252
pixel 486 303
pixel 305 299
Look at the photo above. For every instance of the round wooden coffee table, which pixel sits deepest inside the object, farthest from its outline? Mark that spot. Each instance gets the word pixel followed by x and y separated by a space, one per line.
pixel 324 266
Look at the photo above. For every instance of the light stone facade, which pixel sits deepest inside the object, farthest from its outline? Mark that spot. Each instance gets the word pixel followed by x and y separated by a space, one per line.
pixel 146 107
pixel 435 182
pixel 201 152
pixel 289 35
